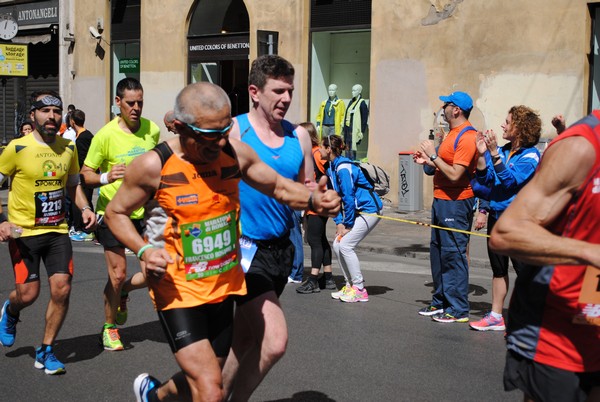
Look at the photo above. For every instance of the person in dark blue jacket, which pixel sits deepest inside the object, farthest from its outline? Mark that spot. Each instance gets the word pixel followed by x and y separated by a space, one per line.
pixel 505 170
pixel 352 226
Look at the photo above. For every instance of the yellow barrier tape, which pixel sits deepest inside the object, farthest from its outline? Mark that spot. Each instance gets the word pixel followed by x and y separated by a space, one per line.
pixel 428 225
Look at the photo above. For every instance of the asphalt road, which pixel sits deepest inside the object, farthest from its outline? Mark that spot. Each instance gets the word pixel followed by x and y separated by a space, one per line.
pixel 376 351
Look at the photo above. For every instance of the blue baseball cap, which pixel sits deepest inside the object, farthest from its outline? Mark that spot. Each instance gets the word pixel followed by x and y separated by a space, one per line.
pixel 460 99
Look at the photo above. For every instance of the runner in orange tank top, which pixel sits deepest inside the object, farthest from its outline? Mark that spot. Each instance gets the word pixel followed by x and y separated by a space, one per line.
pixel 189 186
pixel 197 220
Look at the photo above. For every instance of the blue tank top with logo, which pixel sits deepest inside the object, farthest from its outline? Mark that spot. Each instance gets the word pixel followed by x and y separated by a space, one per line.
pixel 262 217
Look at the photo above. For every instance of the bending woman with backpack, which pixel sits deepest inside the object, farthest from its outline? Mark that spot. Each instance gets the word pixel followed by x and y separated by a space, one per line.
pixel 352 226
pixel 316 225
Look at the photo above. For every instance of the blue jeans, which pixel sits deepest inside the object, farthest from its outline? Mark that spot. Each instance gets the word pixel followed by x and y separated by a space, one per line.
pixel 296 238
pixel 448 255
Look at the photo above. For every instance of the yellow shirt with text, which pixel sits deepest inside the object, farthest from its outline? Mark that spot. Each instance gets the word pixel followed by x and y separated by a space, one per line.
pixel 39 174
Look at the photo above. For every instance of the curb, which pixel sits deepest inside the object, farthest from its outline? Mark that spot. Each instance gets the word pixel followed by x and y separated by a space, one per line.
pixel 424 256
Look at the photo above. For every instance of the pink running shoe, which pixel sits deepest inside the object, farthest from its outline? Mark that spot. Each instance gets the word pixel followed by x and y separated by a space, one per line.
pixel 340 293
pixel 354 295
pixel 488 323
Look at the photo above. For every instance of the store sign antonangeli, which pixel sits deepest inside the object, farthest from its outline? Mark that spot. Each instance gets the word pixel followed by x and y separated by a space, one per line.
pixel 13 60
pixel 130 65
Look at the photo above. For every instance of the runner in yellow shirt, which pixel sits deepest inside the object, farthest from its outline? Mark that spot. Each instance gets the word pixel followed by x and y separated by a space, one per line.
pixel 42 166
pixel 114 147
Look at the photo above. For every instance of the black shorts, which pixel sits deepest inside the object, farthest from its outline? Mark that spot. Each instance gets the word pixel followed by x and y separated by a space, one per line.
pixel 270 268
pixel 499 262
pixel 184 326
pixel 105 236
pixel 53 248
pixel 546 383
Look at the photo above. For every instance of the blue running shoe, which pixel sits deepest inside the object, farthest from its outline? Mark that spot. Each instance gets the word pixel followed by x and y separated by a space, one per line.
pixel 45 359
pixel 8 326
pixel 143 384
pixel 81 236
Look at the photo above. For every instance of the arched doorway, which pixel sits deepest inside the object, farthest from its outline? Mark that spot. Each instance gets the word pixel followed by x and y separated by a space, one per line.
pixel 219 48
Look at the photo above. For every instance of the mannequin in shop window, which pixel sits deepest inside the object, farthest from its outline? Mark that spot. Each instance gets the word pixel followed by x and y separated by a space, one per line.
pixel 331 114
pixel 355 121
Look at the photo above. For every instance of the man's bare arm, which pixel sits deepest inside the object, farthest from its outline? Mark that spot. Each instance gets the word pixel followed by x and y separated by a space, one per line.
pixel 521 230
pixel 453 172
pixel 307 171
pixel 5 227
pixel 89 176
pixel 141 178
pixel 262 177
pixel 87 215
pixel 93 179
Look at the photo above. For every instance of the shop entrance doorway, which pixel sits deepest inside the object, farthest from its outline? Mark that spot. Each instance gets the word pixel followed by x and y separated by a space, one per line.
pixel 219 49
pixel 231 75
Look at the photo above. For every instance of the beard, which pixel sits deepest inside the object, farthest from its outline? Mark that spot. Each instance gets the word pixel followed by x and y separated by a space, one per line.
pixel 47 131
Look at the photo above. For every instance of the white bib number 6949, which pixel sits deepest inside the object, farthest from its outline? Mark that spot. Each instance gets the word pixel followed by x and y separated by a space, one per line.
pixel 209 243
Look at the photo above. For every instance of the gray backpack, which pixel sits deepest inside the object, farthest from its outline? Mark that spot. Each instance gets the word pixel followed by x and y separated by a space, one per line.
pixel 375 175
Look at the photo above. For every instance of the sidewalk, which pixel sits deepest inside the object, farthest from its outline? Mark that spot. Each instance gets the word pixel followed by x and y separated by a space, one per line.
pixel 411 240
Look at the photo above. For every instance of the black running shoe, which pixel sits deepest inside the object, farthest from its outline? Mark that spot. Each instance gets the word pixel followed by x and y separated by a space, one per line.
pixel 308 287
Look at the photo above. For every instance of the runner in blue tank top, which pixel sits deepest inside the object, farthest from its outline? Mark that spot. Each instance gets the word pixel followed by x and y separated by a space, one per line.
pixel 267 251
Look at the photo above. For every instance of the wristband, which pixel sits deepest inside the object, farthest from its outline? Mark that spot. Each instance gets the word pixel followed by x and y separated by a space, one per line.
pixel 495 158
pixel 104 178
pixel 483 211
pixel 310 203
pixel 140 252
pixel 3 218
pixel 86 207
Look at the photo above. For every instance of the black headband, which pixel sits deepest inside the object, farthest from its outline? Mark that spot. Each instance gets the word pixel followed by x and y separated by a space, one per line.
pixel 47 100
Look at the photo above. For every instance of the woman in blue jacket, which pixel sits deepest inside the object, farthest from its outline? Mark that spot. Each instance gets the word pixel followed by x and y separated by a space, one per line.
pixel 351 225
pixel 505 170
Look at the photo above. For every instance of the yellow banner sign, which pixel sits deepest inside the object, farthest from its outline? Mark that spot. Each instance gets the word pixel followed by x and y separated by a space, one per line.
pixel 13 60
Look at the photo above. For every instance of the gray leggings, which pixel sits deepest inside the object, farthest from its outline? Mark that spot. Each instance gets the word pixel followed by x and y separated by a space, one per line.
pixel 344 249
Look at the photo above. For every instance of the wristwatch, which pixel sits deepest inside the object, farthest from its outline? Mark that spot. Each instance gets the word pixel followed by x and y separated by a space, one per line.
pixel 483 212
pixel 433 157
